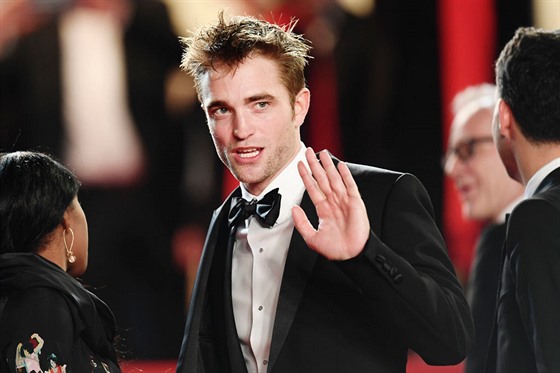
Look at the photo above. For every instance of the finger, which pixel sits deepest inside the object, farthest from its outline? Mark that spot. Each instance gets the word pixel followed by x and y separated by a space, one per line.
pixel 334 177
pixel 302 224
pixel 318 171
pixel 348 179
pixel 310 184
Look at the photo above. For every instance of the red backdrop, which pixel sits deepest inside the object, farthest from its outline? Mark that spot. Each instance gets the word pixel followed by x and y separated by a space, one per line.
pixel 467 30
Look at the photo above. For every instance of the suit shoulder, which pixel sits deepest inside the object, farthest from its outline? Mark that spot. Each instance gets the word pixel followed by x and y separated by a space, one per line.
pixel 538 213
pixel 361 170
pixel 364 173
pixel 549 200
pixel 551 195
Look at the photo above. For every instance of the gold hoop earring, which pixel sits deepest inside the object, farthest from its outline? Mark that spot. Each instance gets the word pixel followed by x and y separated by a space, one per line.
pixel 69 253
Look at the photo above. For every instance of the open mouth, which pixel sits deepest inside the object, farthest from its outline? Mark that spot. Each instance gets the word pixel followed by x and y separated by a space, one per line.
pixel 249 153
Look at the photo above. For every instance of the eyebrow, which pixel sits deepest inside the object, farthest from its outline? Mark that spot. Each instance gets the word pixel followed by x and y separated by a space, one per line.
pixel 260 97
pixel 215 104
pixel 248 100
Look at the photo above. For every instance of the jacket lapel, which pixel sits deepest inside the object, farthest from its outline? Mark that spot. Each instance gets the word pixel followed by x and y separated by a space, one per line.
pixel 298 269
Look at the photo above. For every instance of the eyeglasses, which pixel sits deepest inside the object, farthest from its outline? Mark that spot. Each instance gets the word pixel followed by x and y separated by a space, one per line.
pixel 465 150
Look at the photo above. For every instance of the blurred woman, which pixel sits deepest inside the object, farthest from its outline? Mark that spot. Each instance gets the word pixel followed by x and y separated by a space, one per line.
pixel 44 310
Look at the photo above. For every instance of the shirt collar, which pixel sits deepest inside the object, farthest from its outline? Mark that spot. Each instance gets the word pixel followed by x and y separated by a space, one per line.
pixel 539 176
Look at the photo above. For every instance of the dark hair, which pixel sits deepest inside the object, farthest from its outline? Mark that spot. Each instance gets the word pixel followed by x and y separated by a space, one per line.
pixel 528 80
pixel 35 191
pixel 230 43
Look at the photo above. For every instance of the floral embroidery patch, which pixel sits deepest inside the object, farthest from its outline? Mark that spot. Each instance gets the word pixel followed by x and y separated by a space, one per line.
pixel 28 358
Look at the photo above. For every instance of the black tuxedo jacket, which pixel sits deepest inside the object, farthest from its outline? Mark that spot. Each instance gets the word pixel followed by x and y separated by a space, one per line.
pixel 359 315
pixel 527 329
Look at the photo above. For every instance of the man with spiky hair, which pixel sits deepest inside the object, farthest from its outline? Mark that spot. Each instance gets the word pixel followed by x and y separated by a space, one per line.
pixel 363 278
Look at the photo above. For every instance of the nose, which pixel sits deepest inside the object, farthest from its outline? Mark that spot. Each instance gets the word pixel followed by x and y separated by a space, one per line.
pixel 242 126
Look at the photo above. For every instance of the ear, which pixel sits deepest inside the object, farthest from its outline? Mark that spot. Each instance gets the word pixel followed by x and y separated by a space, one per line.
pixel 301 105
pixel 65 222
pixel 506 120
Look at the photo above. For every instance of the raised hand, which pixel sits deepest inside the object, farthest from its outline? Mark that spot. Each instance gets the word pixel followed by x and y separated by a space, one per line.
pixel 343 222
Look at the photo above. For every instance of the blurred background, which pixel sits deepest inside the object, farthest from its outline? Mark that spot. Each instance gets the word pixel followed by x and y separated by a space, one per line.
pixel 96 83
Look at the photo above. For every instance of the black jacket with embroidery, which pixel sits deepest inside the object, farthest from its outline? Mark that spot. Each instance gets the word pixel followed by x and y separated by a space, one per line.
pixel 49 322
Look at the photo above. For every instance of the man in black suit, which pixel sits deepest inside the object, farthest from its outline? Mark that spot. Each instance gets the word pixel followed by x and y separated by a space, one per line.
pixel 527 133
pixel 487 193
pixel 365 275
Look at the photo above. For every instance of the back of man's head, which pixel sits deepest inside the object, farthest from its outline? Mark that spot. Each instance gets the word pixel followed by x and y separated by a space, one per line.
pixel 528 80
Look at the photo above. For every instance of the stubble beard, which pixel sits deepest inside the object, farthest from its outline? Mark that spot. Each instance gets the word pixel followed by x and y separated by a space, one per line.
pixel 251 174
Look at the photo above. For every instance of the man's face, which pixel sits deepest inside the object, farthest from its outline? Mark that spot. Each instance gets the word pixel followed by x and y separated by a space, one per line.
pixel 253 125
pixel 476 168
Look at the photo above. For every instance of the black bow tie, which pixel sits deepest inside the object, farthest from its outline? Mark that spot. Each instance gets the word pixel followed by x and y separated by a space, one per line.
pixel 266 210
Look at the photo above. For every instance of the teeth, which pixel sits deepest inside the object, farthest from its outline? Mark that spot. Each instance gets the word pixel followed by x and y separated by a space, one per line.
pixel 249 153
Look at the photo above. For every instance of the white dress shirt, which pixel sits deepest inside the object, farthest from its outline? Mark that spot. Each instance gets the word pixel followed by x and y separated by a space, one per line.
pixel 259 256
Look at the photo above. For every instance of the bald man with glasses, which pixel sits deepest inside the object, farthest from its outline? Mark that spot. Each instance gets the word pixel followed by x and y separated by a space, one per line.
pixel 487 193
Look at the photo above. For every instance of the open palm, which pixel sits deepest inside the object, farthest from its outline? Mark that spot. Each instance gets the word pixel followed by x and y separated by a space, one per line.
pixel 343 222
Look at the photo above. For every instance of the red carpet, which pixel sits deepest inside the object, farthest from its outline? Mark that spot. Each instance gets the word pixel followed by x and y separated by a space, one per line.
pixel 415 365
pixel 148 366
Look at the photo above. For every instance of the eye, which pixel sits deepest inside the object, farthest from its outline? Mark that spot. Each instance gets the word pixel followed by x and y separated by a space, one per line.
pixel 465 151
pixel 219 111
pixel 261 105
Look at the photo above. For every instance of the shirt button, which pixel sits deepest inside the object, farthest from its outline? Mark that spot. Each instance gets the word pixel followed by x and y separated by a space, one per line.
pixel 265 362
pixel 260 308
pixel 261 250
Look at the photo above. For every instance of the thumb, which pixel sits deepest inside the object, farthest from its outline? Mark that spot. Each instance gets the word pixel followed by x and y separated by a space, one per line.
pixel 302 224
